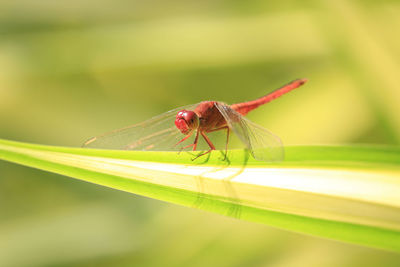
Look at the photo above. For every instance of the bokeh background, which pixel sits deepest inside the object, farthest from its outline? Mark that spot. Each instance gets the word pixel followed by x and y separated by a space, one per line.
pixel 73 69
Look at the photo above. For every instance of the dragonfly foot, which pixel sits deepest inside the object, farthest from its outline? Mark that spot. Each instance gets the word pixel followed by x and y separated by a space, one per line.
pixel 202 154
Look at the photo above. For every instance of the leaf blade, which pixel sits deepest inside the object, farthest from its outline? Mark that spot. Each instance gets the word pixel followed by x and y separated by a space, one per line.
pixel 344 193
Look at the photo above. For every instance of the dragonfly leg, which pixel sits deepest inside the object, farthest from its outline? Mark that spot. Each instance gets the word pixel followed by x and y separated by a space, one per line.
pixel 210 144
pixel 195 140
pixel 183 139
pixel 212 147
pixel 227 137
pixel 227 141
pixel 217 129
pixel 194 145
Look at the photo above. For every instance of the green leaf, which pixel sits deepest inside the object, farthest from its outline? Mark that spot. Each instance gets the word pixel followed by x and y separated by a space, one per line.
pixel 347 193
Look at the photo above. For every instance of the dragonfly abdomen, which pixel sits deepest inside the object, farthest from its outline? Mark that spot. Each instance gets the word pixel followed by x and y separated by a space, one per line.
pixel 246 107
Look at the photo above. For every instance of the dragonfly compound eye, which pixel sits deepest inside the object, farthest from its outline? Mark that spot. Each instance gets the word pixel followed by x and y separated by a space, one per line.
pixel 186 121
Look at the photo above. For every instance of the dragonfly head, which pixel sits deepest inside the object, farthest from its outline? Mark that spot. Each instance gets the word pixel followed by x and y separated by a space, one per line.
pixel 187 121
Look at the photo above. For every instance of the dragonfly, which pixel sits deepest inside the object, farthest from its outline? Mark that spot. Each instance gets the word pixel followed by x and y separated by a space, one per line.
pixel 170 130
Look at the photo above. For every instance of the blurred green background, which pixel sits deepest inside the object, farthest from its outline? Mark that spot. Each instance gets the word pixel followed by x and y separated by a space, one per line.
pixel 73 69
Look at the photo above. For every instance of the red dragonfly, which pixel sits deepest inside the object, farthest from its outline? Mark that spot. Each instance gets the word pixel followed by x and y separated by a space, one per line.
pixel 159 133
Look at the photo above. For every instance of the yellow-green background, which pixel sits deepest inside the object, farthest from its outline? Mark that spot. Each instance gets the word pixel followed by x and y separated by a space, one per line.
pixel 73 69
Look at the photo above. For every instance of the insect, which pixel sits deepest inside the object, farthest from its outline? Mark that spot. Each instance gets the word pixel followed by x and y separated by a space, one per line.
pixel 170 130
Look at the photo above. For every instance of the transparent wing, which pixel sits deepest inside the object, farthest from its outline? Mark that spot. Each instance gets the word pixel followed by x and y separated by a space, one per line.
pixel 158 134
pixel 263 144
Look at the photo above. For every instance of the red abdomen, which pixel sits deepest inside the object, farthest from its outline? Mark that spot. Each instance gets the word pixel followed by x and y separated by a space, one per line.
pixel 246 107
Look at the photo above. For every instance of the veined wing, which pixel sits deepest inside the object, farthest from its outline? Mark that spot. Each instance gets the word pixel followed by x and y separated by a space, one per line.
pixel 263 144
pixel 158 134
